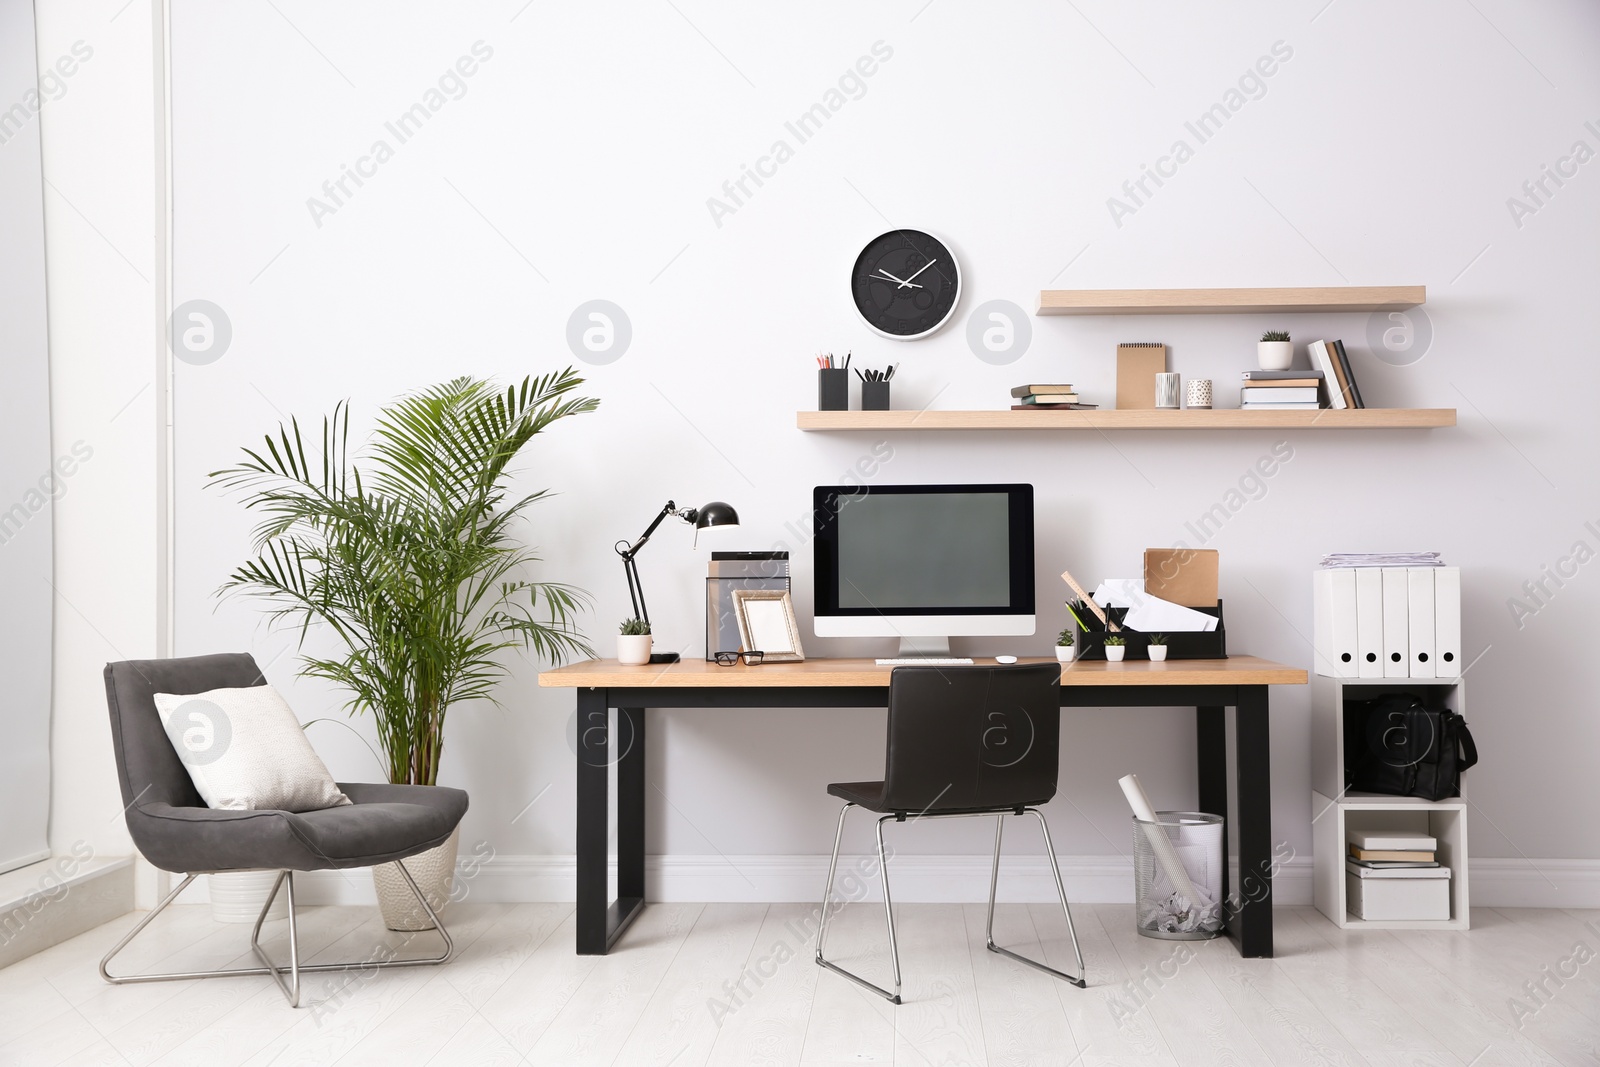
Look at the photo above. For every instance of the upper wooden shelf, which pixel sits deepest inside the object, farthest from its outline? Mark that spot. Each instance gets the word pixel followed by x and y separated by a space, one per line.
pixel 1135 419
pixel 1223 301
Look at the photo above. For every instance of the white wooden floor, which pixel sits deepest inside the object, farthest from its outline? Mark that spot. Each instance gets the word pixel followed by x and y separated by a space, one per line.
pixel 516 993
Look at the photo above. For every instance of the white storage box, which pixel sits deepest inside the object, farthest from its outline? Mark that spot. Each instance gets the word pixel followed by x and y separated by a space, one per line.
pixel 1399 898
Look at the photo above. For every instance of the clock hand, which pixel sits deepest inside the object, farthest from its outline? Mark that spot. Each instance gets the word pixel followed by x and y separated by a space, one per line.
pixel 892 278
pixel 919 270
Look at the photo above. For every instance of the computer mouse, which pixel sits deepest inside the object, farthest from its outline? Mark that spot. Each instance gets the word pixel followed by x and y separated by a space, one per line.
pixel 1005 659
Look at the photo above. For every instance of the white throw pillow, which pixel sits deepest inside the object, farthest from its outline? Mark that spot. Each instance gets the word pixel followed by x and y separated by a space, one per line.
pixel 246 751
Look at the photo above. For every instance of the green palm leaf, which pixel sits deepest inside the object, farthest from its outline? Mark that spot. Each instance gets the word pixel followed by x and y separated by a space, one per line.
pixel 410 559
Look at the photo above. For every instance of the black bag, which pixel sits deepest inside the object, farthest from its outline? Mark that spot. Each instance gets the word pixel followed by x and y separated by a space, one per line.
pixel 1397 746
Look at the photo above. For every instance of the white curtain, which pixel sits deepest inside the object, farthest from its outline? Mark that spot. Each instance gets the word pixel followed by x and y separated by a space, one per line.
pixel 29 480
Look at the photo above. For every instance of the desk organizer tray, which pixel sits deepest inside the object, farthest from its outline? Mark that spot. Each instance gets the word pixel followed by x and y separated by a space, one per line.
pixel 1090 644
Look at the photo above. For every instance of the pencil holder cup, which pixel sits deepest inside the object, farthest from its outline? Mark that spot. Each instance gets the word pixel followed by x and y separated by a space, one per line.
pixel 1177 876
pixel 874 396
pixel 833 389
pixel 1200 392
pixel 1167 390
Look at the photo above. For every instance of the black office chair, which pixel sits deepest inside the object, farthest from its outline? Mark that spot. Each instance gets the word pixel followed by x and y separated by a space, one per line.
pixel 175 831
pixel 963 741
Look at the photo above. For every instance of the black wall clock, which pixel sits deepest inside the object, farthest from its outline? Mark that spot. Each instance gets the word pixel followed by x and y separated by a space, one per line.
pixel 905 284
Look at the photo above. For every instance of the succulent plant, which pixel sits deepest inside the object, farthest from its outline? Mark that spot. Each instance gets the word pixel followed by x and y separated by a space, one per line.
pixel 1065 637
pixel 1113 641
pixel 1158 639
pixel 1275 335
pixel 633 628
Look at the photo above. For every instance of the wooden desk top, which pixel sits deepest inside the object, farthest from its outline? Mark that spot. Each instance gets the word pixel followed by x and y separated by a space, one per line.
pixel 821 673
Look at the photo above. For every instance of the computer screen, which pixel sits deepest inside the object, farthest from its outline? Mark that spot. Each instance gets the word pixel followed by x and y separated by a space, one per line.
pixel 939 559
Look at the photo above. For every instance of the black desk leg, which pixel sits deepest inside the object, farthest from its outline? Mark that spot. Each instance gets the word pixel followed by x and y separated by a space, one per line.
pixel 1252 765
pixel 598 749
pixel 1211 749
pixel 630 804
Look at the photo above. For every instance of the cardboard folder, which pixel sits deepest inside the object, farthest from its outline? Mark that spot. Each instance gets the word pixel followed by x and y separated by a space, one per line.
pixel 1186 576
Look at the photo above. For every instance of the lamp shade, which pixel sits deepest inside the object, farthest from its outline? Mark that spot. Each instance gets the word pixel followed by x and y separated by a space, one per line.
pixel 715 513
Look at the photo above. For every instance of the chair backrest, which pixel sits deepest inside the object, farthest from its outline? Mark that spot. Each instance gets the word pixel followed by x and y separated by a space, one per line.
pixel 973 737
pixel 148 766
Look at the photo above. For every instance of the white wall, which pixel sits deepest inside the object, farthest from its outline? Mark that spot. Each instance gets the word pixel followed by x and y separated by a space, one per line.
pixel 578 164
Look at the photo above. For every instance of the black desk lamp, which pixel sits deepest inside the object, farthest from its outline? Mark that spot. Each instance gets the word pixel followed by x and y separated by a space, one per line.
pixel 715 513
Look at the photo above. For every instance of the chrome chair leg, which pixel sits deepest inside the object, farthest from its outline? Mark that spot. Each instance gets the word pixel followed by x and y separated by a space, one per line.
pixel 290 986
pixel 827 897
pixel 1061 890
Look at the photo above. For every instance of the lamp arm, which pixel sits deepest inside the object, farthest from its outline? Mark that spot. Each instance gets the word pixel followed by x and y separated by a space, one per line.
pixel 627 551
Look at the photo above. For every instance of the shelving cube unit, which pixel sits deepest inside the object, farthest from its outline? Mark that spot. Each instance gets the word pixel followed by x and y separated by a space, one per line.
pixel 1333 811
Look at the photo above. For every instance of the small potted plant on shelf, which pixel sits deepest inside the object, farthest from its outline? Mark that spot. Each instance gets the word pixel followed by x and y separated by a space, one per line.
pixel 1158 647
pixel 1273 351
pixel 1064 645
pixel 633 642
pixel 1116 648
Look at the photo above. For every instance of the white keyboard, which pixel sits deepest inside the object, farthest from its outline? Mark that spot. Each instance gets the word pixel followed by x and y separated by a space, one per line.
pixel 927 661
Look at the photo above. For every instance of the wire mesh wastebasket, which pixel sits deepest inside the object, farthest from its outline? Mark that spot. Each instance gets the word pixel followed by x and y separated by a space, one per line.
pixel 1177 875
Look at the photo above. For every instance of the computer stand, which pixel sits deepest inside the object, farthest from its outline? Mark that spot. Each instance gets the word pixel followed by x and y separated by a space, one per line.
pixel 924 648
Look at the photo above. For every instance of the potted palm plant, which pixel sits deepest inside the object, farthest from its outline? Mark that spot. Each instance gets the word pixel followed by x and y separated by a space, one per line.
pixel 408 554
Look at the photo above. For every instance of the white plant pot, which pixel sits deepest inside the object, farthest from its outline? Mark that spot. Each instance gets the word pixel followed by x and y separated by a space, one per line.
pixel 237 896
pixel 1274 355
pixel 1114 653
pixel 1158 653
pixel 633 649
pixel 1064 653
pixel 434 872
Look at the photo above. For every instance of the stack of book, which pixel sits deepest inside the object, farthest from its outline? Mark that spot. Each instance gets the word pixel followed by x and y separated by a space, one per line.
pixel 1330 358
pixel 1281 390
pixel 1057 397
pixel 1394 875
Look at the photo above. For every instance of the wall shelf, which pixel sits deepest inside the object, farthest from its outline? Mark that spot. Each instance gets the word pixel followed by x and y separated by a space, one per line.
pixel 1137 419
pixel 1228 301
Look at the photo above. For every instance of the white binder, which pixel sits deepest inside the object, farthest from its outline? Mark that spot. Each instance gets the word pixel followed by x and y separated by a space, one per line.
pixel 1369 622
pixel 1419 606
pixel 1447 621
pixel 1396 623
pixel 1334 622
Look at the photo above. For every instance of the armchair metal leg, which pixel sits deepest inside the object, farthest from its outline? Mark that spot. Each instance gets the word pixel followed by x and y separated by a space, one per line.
pixel 888 909
pixel 288 979
pixel 1061 890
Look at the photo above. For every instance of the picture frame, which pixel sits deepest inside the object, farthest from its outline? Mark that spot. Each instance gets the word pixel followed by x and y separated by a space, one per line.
pixel 766 624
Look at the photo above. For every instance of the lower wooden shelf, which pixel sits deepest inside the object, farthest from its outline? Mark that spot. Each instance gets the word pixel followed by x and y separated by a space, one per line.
pixel 1137 419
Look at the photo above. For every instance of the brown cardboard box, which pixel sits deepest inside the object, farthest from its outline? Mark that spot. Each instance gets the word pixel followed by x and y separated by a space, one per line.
pixel 1137 367
pixel 1186 576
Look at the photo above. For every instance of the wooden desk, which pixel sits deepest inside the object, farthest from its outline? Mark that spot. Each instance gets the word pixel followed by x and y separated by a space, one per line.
pixel 1208 686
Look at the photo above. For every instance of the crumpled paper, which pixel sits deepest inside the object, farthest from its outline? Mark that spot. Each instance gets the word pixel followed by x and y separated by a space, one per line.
pixel 1176 914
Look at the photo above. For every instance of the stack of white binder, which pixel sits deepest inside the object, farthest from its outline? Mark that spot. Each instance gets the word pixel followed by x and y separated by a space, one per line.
pixel 1388 622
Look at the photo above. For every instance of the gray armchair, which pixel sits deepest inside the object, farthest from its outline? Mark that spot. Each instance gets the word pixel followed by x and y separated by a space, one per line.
pixel 175 830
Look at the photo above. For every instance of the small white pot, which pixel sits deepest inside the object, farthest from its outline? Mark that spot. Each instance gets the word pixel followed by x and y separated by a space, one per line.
pixel 1114 653
pixel 633 649
pixel 1158 653
pixel 237 896
pixel 1064 653
pixel 1274 355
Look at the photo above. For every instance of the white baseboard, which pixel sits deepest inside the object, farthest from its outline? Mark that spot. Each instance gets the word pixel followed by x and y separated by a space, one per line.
pixel 783 879
pixel 1519 883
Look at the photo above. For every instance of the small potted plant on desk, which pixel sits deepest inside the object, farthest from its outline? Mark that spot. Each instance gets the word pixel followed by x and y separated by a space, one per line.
pixel 1064 645
pixel 633 642
pixel 1116 648
pixel 1273 351
pixel 1158 647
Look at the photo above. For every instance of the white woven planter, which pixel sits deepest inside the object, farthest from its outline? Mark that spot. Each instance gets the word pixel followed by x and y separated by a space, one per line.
pixel 434 872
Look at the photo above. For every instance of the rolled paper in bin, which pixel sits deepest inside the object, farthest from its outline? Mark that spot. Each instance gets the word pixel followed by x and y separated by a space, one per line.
pixel 1146 814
